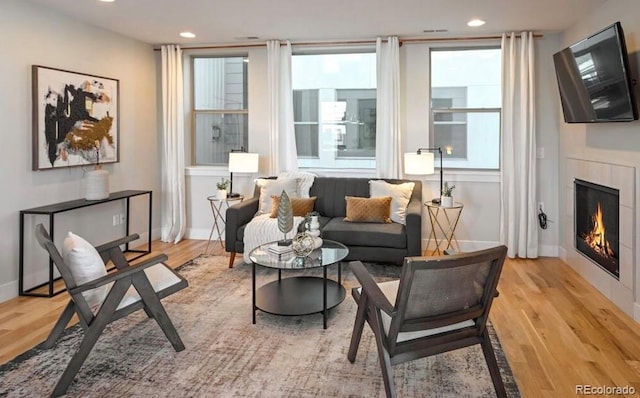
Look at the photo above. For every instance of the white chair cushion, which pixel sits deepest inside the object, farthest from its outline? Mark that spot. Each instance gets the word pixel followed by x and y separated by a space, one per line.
pixel 390 290
pixel 400 195
pixel 274 187
pixel 85 265
pixel 160 277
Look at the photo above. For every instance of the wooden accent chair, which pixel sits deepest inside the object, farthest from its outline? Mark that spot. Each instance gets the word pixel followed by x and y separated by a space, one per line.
pixel 127 289
pixel 438 305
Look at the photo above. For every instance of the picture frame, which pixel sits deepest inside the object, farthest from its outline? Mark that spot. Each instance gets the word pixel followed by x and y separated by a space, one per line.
pixel 76 119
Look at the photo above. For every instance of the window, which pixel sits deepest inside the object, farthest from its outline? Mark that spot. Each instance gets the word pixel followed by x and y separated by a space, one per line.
pixel 334 109
pixel 220 115
pixel 465 106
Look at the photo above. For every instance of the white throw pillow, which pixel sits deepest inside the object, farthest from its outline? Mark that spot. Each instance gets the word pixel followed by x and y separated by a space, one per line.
pixel 400 196
pixel 85 265
pixel 274 187
pixel 303 179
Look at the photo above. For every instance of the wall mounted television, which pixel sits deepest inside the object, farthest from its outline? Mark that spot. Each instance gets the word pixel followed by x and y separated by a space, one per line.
pixel 594 79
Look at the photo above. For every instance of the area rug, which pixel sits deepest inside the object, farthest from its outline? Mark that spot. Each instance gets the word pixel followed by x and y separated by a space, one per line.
pixel 227 356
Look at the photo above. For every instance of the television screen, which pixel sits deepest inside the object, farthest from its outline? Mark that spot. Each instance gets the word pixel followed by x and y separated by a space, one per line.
pixel 594 80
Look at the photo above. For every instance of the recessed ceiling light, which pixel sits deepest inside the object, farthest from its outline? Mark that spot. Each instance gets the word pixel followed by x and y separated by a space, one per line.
pixel 107 1
pixel 475 22
pixel 188 35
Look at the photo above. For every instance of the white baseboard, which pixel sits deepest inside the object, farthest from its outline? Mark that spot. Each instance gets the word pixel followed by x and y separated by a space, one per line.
pixel 562 253
pixel 200 233
pixel 8 291
pixel 472 245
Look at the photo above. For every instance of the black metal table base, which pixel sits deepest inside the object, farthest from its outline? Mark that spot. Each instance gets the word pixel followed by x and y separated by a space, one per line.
pixel 298 295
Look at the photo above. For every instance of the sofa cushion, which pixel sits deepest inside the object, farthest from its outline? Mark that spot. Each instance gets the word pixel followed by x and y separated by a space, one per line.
pixel 269 188
pixel 365 234
pixel 368 209
pixel 300 206
pixel 400 195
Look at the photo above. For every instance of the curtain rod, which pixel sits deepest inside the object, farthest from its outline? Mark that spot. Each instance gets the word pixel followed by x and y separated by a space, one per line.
pixel 352 42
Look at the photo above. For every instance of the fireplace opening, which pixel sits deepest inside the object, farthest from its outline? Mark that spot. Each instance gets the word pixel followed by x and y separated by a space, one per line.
pixel 597 224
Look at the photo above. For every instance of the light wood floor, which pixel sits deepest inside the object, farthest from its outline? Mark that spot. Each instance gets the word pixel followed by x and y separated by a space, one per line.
pixel 557 330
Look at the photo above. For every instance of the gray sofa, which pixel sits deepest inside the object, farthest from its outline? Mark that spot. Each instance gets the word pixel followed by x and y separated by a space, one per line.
pixel 375 242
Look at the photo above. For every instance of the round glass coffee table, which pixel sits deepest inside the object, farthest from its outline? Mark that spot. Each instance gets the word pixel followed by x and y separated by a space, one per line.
pixel 298 295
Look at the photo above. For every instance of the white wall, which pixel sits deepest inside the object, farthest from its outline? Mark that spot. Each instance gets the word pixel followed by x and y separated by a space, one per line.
pixel 31 34
pixel 606 142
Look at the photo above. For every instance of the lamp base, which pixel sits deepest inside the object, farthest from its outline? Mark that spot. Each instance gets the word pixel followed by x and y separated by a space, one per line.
pixel 233 195
pixel 435 201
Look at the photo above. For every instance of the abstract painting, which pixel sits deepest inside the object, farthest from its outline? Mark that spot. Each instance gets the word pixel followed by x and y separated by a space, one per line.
pixel 75 119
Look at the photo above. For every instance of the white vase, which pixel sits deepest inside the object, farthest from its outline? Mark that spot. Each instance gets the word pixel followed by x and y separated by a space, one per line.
pixel 446 201
pixel 221 194
pixel 96 184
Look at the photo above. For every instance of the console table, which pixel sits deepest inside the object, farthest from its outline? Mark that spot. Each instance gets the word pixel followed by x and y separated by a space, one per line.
pixel 52 210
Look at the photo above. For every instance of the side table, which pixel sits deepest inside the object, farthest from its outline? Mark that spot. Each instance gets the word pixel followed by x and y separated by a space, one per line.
pixel 217 205
pixel 443 229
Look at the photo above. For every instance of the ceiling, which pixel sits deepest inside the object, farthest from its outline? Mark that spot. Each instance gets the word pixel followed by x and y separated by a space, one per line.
pixel 232 21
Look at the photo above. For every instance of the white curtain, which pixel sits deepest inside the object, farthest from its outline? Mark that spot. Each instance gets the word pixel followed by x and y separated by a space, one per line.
pixel 389 146
pixel 518 219
pixel 173 210
pixel 282 139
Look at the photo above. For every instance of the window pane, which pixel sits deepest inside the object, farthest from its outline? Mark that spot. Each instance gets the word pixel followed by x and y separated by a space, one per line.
pixel 466 79
pixel 307 140
pixel 305 106
pixel 473 144
pixel 217 134
pixel 220 83
pixel 475 71
pixel 335 109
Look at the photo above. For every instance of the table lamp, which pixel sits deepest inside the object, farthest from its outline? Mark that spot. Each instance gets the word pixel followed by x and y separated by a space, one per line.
pixel 419 163
pixel 241 162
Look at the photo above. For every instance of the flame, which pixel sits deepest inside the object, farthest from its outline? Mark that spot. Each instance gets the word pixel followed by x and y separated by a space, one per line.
pixel 596 238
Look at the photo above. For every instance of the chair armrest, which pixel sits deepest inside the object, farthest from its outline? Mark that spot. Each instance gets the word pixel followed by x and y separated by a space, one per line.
pixel 237 216
pixel 117 243
pixel 121 273
pixel 370 287
pixel 413 227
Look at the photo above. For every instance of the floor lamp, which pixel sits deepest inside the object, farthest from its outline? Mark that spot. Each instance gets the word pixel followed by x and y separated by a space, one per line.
pixel 419 163
pixel 241 162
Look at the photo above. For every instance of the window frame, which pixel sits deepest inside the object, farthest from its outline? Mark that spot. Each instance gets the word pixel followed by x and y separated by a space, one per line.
pixel 194 112
pixel 453 110
pixel 365 164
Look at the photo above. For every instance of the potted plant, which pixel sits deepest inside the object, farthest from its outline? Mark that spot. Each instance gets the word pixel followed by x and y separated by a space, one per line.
pixel 446 200
pixel 222 186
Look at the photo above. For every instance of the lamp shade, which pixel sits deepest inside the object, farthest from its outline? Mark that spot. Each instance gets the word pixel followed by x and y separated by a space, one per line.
pixel 243 162
pixel 419 163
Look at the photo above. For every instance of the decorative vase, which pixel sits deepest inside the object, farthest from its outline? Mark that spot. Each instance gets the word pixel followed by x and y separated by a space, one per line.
pixel 97 184
pixel 221 194
pixel 314 232
pixel 446 201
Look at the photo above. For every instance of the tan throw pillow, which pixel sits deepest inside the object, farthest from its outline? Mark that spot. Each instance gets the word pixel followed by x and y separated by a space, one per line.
pixel 368 209
pixel 300 206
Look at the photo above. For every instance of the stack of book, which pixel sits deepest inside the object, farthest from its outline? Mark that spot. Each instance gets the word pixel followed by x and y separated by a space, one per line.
pixel 275 249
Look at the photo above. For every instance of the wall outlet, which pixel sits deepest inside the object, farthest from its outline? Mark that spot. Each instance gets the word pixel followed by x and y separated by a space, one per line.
pixel 540 153
pixel 540 206
pixel 116 220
